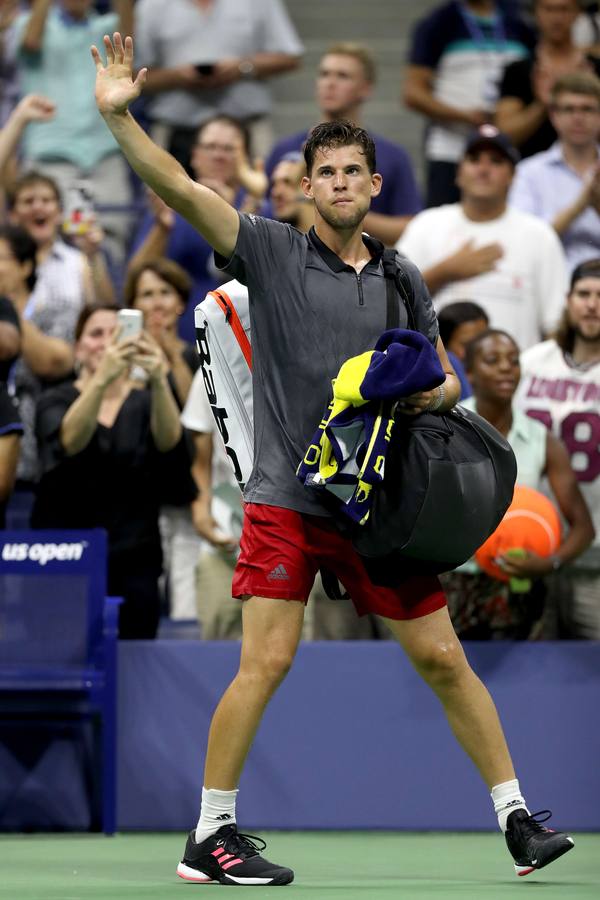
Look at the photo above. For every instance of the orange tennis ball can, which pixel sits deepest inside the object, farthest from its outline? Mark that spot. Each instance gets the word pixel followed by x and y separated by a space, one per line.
pixel 531 523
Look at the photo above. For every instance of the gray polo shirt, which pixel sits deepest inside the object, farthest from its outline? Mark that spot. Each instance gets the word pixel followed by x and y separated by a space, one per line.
pixel 309 312
pixel 173 33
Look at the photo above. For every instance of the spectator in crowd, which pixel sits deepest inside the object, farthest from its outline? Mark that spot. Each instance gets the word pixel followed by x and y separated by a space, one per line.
pixel 217 515
pixel 161 289
pixel 45 352
pixel 216 57
pixel 525 92
pixel 286 200
pixel 221 160
pixel 481 606
pixel 106 442
pixel 54 41
pixel 9 76
pixel 561 388
pixel 31 108
pixel 456 60
pixel 562 185
pixel 510 261
pixel 459 323
pixel 11 427
pixel 68 276
pixel 345 81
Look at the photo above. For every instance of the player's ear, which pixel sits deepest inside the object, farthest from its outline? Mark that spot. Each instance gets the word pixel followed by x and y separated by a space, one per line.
pixel 306 186
pixel 376 184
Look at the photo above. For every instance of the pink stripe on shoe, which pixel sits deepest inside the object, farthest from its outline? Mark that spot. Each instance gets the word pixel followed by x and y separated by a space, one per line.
pixel 218 851
pixel 231 863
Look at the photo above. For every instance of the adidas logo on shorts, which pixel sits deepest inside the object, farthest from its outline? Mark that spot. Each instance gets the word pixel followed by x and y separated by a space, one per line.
pixel 278 574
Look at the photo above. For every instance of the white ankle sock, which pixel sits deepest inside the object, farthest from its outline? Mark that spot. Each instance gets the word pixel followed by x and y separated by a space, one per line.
pixel 217 809
pixel 507 797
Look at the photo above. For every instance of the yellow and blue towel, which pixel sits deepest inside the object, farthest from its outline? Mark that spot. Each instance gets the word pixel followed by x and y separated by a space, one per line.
pixel 347 453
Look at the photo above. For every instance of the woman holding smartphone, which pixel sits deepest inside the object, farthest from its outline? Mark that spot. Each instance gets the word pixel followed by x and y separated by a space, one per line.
pixel 160 290
pixel 106 441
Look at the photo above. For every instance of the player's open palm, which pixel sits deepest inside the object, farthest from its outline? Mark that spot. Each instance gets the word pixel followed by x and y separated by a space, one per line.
pixel 115 86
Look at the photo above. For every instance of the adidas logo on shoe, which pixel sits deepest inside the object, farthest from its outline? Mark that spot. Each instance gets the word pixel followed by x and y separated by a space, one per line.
pixel 279 573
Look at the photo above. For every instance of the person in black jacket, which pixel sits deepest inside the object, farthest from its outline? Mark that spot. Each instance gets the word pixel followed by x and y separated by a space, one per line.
pixel 106 443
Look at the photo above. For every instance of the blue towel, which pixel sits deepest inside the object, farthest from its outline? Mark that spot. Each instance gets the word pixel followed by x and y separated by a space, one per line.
pixel 347 454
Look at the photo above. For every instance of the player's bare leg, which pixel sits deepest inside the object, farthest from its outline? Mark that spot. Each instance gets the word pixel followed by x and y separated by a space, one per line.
pixel 437 655
pixel 271 632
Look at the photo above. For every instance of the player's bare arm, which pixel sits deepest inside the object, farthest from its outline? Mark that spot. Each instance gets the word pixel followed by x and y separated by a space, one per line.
pixel 116 88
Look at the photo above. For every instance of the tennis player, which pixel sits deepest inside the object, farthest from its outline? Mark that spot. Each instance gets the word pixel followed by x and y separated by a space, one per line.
pixel 315 300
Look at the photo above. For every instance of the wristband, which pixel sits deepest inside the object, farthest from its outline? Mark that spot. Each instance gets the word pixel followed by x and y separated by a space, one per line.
pixel 435 404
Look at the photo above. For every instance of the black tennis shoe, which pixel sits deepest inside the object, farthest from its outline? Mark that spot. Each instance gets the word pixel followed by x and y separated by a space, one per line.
pixel 532 846
pixel 229 857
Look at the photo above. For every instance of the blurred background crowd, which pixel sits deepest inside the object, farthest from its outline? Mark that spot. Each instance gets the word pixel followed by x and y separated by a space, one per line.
pixel 486 119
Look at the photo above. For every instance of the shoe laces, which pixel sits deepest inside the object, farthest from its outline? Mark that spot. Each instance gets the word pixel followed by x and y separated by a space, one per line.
pixel 532 824
pixel 244 845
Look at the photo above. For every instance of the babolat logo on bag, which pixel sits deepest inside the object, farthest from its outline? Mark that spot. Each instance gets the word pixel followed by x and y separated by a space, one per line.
pixel 225 354
pixel 43 553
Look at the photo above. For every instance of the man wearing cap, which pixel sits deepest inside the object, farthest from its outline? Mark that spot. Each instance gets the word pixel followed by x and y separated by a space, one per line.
pixel 480 248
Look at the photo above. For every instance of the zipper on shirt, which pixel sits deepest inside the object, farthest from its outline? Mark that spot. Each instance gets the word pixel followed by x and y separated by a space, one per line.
pixel 361 299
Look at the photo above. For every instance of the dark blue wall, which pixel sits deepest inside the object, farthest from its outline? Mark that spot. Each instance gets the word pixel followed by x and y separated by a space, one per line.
pixel 353 739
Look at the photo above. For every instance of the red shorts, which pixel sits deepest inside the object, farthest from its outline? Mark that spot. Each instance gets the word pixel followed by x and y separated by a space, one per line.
pixel 282 550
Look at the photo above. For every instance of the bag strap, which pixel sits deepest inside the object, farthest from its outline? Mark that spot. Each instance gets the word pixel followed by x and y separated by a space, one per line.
pixel 392 315
pixel 234 322
pixel 331 585
pixel 397 286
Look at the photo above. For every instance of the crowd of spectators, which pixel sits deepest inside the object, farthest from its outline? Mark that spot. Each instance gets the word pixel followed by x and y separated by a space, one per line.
pixel 96 430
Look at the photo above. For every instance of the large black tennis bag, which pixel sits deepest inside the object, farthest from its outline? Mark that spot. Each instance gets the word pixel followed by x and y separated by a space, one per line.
pixel 449 479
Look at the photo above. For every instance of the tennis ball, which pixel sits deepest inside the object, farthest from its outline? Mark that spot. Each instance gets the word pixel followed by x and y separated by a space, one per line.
pixel 530 524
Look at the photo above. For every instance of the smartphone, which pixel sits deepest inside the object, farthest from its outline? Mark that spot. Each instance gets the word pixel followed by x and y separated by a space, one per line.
pixel 205 68
pixel 79 210
pixel 130 322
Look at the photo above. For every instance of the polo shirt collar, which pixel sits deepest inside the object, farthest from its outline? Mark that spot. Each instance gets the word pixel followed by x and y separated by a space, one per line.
pixel 334 262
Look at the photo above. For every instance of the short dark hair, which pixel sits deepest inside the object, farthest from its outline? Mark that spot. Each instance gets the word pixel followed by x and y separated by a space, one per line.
pixel 240 126
pixel 455 314
pixel 27 180
pixel 23 248
pixel 473 345
pixel 167 269
pixel 341 133
pixel 86 314
pixel 565 333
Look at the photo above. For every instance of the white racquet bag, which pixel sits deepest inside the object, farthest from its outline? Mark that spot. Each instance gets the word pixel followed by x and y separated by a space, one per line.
pixel 222 322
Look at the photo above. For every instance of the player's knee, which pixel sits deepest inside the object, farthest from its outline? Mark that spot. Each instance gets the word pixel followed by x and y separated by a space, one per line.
pixel 278 663
pixel 441 663
pixel 271 666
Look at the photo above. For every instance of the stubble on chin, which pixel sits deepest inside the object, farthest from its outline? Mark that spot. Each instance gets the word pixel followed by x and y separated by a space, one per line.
pixel 338 219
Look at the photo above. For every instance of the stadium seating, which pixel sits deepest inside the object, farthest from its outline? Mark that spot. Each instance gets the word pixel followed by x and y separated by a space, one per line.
pixel 58 633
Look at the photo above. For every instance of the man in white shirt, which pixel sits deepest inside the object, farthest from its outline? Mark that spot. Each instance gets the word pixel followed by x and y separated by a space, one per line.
pixel 509 262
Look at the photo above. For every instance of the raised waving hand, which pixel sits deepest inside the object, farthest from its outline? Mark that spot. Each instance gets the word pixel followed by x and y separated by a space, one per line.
pixel 115 86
